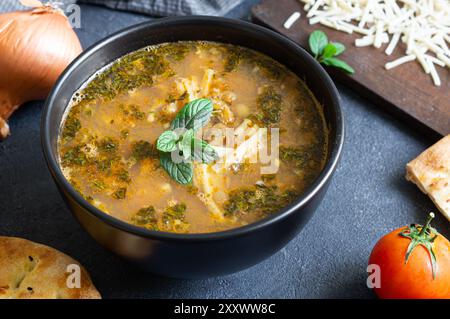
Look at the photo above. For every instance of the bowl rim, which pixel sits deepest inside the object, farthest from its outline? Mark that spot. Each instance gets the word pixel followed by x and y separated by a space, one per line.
pixel 311 191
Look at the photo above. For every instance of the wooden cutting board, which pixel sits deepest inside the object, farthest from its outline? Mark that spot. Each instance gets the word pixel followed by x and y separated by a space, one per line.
pixel 405 91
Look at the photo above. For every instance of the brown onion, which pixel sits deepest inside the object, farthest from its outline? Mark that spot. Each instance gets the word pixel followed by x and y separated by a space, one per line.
pixel 35 47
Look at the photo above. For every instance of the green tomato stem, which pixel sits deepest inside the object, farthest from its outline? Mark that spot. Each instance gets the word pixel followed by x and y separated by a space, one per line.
pixel 427 224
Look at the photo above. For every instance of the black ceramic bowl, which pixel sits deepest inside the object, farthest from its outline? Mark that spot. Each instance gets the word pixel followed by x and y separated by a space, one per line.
pixel 194 255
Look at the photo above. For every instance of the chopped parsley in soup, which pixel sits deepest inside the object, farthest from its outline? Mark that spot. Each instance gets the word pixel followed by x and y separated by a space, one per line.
pixel 127 140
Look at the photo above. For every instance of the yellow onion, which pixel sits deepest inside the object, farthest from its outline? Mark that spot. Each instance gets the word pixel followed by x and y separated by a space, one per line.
pixel 35 47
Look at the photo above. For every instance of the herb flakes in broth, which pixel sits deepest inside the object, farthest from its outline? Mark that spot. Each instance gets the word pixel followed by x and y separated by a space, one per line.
pixel 107 143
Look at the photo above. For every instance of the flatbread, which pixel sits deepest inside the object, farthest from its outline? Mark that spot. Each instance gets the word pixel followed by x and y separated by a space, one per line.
pixel 430 171
pixel 31 271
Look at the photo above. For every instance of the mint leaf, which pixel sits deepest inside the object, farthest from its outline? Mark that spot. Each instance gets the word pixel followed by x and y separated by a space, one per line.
pixel 339 48
pixel 167 141
pixel 317 42
pixel 203 152
pixel 193 115
pixel 325 52
pixel 329 51
pixel 180 172
pixel 338 64
pixel 185 144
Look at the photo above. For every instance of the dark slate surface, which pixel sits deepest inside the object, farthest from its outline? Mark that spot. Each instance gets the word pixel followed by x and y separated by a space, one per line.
pixel 367 198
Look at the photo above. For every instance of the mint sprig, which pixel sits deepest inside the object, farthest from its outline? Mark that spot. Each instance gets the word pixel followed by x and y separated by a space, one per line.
pixel 193 115
pixel 203 152
pixel 181 172
pixel 179 147
pixel 185 144
pixel 325 52
pixel 167 141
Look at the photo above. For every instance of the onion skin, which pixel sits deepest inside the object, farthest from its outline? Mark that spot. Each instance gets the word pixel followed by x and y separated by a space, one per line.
pixel 35 47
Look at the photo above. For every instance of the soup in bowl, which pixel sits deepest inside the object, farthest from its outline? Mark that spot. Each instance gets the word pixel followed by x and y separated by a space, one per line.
pixel 193 146
pixel 108 140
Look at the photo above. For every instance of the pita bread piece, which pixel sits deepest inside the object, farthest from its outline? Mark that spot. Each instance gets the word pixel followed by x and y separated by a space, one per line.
pixel 430 171
pixel 30 271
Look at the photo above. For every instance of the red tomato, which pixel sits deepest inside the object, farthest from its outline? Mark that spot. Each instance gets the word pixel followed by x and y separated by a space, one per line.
pixel 412 277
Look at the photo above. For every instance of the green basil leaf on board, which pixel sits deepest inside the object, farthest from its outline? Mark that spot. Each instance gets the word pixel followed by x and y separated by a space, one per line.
pixel 203 152
pixel 167 141
pixel 325 52
pixel 181 172
pixel 338 64
pixel 339 48
pixel 329 51
pixel 317 42
pixel 193 115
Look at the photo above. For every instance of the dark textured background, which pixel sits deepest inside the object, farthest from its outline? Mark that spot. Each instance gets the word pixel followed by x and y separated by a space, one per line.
pixel 367 198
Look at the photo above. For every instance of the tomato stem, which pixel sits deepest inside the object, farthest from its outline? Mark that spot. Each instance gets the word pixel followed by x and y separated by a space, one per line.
pixel 421 236
pixel 427 224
